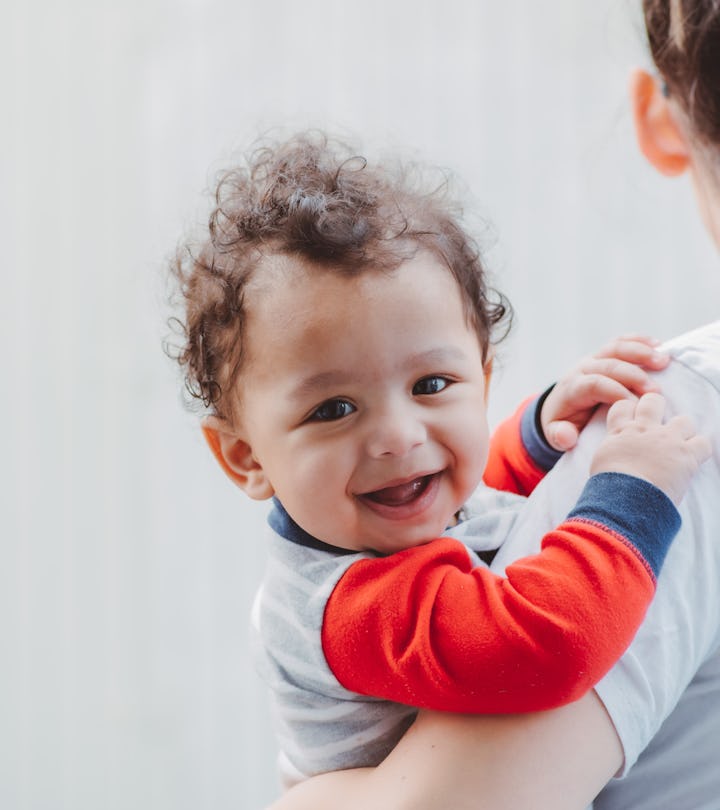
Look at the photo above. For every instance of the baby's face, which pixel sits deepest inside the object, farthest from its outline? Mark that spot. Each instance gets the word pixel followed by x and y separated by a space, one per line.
pixel 364 401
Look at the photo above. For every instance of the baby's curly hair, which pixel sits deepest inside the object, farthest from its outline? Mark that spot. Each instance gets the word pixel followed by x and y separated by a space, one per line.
pixel 315 199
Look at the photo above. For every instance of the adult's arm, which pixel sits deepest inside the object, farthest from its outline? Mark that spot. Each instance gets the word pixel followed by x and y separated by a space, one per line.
pixel 555 760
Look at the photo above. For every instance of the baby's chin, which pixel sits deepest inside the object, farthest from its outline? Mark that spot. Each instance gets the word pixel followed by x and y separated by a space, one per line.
pixel 402 541
pixel 382 536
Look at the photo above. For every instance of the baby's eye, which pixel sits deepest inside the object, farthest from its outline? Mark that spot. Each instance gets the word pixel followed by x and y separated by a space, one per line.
pixel 430 385
pixel 332 410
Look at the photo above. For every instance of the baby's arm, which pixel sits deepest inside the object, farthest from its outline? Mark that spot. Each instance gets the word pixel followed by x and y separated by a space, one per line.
pixel 526 446
pixel 424 627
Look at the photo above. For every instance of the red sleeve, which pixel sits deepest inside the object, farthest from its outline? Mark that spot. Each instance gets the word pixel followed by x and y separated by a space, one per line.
pixel 510 467
pixel 425 628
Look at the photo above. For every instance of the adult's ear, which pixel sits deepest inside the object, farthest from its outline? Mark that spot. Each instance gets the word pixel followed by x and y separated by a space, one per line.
pixel 660 137
pixel 236 458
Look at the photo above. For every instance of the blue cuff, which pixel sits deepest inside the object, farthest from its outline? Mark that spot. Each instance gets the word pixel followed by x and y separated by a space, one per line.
pixel 634 508
pixel 532 435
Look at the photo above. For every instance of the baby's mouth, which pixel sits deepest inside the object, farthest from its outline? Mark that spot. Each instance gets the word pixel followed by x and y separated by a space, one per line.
pixel 401 494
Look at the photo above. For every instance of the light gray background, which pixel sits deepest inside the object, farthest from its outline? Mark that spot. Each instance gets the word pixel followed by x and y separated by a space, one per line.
pixel 128 563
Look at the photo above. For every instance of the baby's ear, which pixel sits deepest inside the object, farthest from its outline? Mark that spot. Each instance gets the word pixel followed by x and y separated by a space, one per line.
pixel 236 458
pixel 659 135
pixel 487 373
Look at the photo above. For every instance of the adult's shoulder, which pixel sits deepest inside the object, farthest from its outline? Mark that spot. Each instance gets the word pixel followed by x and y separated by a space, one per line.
pixel 699 352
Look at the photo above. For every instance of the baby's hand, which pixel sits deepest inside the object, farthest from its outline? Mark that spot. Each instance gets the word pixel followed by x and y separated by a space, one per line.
pixel 618 371
pixel 639 443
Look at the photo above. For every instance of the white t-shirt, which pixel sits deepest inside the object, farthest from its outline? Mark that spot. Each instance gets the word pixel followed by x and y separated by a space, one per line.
pixel 678 645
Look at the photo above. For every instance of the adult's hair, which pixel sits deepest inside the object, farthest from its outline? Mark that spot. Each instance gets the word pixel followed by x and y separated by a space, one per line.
pixel 684 39
pixel 316 200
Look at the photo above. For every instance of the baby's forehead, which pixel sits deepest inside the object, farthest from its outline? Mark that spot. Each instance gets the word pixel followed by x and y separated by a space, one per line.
pixel 275 269
pixel 277 274
pixel 280 267
pixel 286 287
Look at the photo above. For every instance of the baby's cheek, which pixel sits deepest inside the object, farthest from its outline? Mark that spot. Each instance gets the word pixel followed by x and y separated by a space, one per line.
pixel 475 455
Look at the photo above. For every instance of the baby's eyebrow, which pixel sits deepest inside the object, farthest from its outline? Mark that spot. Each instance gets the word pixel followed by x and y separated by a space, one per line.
pixel 440 355
pixel 321 381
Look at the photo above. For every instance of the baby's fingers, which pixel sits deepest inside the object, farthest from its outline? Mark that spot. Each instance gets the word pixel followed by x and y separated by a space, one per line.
pixel 683 426
pixel 639 349
pixel 561 435
pixel 634 378
pixel 619 414
pixel 701 447
pixel 646 412
pixel 650 409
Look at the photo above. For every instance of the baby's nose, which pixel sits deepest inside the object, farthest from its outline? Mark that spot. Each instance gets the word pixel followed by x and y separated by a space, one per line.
pixel 395 433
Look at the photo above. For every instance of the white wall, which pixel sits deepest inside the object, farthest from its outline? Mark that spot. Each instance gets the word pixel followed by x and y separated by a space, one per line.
pixel 127 563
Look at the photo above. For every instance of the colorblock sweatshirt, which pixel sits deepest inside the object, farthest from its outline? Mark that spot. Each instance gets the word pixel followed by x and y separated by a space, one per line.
pixel 353 643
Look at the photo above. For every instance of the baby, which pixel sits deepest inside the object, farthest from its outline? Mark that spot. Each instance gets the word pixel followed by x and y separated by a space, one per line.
pixel 339 325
